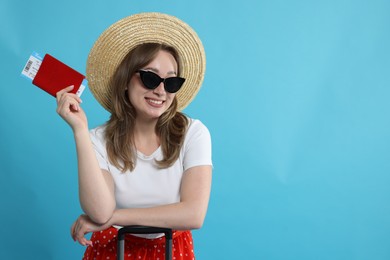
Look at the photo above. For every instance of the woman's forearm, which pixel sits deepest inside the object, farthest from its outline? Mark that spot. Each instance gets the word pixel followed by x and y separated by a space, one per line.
pixel 178 216
pixel 95 189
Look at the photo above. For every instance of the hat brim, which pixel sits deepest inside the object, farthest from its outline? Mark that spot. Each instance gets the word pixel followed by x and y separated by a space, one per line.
pixel 123 36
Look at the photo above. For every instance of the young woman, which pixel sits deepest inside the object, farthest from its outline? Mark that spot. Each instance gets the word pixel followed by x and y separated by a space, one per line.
pixel 149 164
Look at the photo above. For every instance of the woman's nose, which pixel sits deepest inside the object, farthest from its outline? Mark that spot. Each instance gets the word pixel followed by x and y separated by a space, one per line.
pixel 160 90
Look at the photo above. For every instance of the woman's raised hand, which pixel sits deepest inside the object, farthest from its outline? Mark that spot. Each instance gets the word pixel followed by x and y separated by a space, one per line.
pixel 68 107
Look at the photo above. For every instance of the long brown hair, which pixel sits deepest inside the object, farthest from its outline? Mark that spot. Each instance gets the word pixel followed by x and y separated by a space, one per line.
pixel 171 125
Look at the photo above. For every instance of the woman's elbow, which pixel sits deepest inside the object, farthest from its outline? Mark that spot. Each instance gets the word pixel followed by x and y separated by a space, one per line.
pixel 196 221
pixel 100 219
pixel 197 225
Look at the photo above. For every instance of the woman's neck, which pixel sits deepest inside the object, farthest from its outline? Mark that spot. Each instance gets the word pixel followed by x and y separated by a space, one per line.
pixel 145 127
pixel 145 137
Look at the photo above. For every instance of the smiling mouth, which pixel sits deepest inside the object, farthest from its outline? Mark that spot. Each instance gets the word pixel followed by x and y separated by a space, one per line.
pixel 154 101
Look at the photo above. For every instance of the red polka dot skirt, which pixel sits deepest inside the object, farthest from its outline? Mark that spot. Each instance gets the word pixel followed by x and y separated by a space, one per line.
pixel 138 248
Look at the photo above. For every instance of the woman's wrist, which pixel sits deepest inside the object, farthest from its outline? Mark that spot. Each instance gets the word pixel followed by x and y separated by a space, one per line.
pixel 81 132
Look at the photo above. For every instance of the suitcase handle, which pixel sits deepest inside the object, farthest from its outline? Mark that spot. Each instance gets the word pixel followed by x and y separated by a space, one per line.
pixel 144 230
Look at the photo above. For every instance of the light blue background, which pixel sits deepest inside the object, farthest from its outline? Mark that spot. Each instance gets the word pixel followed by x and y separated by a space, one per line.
pixel 296 97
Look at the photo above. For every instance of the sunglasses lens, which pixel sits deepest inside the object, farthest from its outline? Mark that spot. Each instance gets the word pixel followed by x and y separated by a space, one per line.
pixel 172 85
pixel 150 80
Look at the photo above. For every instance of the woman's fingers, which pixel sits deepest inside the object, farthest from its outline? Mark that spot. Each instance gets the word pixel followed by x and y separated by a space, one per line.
pixel 69 108
pixel 63 91
pixel 85 242
pixel 66 90
pixel 72 231
pixel 67 101
pixel 78 231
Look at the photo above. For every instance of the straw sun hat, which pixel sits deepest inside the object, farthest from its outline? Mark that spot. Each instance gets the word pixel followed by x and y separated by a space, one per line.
pixel 121 37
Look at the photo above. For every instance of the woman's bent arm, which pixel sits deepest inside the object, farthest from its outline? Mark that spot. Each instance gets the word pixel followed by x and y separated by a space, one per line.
pixel 96 188
pixel 189 213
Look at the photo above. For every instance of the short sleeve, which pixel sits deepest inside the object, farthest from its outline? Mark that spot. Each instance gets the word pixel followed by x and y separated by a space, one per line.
pixel 99 146
pixel 197 145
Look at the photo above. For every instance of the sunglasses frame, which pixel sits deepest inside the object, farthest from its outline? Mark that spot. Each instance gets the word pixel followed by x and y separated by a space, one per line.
pixel 167 85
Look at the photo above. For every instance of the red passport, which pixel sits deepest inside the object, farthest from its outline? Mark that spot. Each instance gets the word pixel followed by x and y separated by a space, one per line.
pixel 53 75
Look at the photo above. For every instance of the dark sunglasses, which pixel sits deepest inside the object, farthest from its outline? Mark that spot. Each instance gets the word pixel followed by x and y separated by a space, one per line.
pixel 151 81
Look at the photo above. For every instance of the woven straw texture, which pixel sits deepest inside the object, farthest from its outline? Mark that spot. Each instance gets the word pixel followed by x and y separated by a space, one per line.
pixel 121 37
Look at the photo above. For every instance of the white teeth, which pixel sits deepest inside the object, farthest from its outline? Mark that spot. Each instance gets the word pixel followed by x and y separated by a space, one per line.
pixel 157 102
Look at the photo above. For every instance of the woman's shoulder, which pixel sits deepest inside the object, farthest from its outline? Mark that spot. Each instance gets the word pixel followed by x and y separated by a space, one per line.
pixel 97 133
pixel 194 123
pixel 196 126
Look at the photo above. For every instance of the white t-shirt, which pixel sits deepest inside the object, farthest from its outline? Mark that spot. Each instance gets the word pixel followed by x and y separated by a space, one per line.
pixel 147 185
